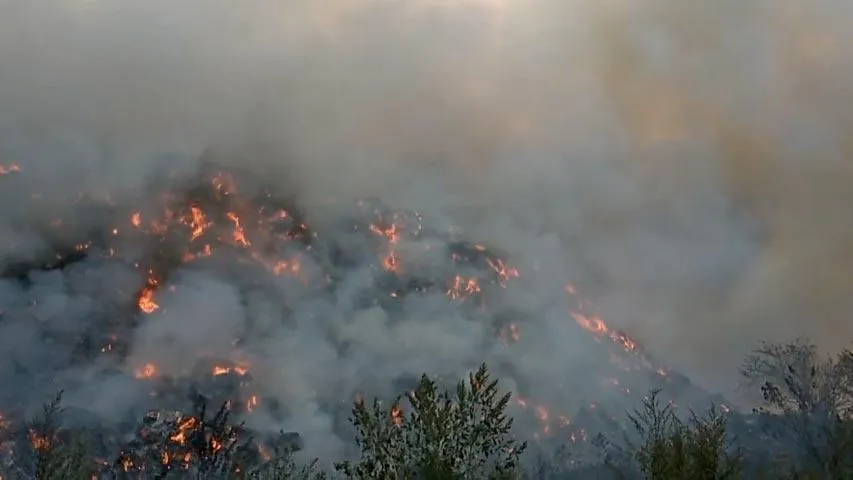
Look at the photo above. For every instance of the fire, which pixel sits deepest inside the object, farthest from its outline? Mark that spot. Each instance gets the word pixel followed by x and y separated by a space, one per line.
pixel 184 428
pixel 397 415
pixel 197 221
pixel 252 403
pixel 548 422
pixel 206 251
pixel 215 445
pixel 463 287
pixel 239 233
pixel 592 324
pixel 264 453
pixel 39 442
pixel 9 168
pixel 189 230
pixel 224 184
pixel 595 325
pixel 149 370
pixel 146 301
pixel 392 233
pixel 391 262
pixel 292 267
pixel 505 273
pixel 222 370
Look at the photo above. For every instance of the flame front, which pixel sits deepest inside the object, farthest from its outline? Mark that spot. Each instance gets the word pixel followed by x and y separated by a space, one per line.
pixel 276 244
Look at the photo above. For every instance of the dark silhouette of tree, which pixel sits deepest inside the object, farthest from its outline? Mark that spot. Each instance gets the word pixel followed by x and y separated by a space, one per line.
pixel 813 396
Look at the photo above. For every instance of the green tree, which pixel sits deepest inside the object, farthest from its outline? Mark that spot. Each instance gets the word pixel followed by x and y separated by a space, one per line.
pixel 437 434
pixel 664 447
pixel 51 453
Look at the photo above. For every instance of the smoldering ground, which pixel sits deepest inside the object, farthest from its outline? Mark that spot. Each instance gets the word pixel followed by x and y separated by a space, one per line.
pixel 689 165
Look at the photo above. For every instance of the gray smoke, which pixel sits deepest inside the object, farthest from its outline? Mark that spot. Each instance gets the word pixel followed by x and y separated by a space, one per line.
pixel 687 164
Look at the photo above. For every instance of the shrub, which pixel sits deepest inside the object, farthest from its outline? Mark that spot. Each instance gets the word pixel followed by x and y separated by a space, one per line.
pixel 664 447
pixel 437 434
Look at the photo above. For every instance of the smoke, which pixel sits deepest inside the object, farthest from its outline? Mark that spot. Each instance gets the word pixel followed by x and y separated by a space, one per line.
pixel 688 164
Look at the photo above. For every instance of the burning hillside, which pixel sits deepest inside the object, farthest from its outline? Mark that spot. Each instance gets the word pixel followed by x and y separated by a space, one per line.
pixel 216 290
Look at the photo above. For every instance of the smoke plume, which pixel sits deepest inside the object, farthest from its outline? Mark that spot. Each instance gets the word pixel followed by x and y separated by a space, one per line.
pixel 688 165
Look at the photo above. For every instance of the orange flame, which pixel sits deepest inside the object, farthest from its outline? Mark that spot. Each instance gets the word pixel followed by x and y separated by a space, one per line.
pixel 184 427
pixel 149 370
pixel 463 287
pixel 146 302
pixel 239 233
pixel 197 221
pixel 505 273
pixel 219 370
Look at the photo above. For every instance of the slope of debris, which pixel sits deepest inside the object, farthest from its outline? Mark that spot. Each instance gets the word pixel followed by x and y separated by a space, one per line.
pixel 261 241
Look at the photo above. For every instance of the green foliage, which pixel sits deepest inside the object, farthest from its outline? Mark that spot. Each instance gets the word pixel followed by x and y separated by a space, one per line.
pixel 671 449
pixel 282 467
pixel 462 433
pixel 438 434
pixel 50 457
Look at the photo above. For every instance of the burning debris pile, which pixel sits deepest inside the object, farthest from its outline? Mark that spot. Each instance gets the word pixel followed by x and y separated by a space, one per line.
pixel 161 443
pixel 131 274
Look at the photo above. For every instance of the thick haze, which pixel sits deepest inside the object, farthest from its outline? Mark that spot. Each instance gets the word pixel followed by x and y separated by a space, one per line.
pixel 693 158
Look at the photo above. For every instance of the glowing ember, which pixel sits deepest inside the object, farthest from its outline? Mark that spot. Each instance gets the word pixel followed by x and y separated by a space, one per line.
pixel 504 272
pixel 238 370
pixel 397 415
pixel 39 442
pixel 10 168
pixel 149 370
pixel 252 403
pixel 463 287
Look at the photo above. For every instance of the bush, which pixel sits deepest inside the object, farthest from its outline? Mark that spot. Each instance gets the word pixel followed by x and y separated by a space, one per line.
pixel 437 435
pixel 46 455
pixel 664 447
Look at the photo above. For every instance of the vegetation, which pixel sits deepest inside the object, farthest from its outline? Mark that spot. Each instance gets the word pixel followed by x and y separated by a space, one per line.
pixel 440 435
pixel 813 396
pixel 666 447
pixel 802 430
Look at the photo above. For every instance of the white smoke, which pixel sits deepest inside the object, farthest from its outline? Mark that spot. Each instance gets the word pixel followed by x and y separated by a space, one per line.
pixel 688 164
